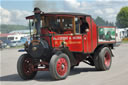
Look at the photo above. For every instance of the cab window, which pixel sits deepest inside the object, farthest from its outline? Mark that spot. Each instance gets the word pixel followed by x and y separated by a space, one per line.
pixel 59 24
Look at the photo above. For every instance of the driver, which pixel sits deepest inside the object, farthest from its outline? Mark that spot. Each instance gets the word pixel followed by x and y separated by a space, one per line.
pixel 84 27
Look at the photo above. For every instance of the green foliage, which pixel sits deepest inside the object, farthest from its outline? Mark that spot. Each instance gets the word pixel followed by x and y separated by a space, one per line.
pixel 122 18
pixel 101 22
pixel 4 28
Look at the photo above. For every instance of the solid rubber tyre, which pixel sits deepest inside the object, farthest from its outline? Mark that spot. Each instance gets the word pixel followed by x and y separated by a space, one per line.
pixel 103 59
pixel 23 68
pixel 59 66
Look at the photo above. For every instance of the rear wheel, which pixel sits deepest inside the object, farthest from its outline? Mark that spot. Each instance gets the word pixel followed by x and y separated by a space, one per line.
pixel 103 59
pixel 25 67
pixel 59 66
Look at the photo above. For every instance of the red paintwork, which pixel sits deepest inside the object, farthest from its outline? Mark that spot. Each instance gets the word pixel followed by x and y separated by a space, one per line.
pixel 107 59
pixel 30 17
pixel 62 66
pixel 94 35
pixel 45 31
pixel 76 43
pixel 85 44
pixel 107 42
pixel 106 27
pixel 89 37
pixel 88 41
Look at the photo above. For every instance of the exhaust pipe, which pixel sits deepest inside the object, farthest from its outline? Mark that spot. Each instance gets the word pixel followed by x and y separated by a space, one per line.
pixel 37 16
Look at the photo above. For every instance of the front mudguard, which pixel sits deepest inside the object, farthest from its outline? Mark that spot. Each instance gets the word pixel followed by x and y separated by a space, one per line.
pixel 65 50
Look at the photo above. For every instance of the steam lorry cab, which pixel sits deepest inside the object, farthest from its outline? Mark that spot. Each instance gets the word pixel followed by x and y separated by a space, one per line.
pixel 58 46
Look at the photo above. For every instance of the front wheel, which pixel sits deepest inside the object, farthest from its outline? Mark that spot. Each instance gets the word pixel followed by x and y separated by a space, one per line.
pixel 25 67
pixel 59 66
pixel 103 59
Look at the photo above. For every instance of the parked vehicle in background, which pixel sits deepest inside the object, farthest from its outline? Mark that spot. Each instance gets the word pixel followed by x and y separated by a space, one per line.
pixel 3 44
pixel 126 32
pixel 18 43
pixel 13 44
pixel 119 37
pixel 121 33
pixel 16 37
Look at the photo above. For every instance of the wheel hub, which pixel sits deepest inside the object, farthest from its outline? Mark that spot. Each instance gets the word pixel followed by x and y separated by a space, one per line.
pixel 62 66
pixel 107 59
pixel 27 65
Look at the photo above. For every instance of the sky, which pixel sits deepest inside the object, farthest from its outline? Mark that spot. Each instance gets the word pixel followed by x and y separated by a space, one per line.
pixel 15 11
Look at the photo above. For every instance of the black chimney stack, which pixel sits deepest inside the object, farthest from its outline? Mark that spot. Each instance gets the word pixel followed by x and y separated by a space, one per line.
pixel 37 16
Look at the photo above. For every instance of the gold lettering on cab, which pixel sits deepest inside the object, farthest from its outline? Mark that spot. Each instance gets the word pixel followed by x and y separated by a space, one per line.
pixel 68 38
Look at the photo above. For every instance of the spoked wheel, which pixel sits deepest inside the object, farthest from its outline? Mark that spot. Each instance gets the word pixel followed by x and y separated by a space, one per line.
pixel 103 59
pixel 59 66
pixel 25 67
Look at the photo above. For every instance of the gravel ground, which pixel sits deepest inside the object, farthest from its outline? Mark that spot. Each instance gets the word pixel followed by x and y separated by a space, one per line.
pixel 81 75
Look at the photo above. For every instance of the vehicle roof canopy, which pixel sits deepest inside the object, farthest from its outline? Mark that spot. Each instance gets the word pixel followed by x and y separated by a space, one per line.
pixel 59 14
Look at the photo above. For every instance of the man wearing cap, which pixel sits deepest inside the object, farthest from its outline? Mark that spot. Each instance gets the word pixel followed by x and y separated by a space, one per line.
pixel 37 19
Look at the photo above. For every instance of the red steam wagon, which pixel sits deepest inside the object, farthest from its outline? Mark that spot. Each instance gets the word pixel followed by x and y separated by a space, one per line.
pixel 60 41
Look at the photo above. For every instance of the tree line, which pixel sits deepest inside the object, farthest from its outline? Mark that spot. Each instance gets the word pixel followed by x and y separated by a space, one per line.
pixel 101 22
pixel 6 28
pixel 122 18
